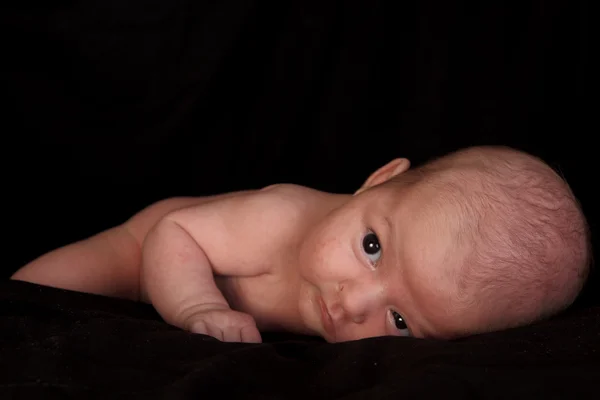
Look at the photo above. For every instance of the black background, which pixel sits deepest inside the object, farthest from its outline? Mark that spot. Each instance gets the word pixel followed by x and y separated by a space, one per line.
pixel 112 105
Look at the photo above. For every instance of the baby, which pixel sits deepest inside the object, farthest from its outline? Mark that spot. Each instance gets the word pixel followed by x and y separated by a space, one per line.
pixel 483 239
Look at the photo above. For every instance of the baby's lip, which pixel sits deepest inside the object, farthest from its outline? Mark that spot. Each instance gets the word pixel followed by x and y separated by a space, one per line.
pixel 326 319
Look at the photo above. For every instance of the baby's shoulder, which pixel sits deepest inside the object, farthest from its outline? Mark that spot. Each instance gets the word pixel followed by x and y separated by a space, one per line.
pixel 280 202
pixel 275 206
pixel 291 198
pixel 261 225
pixel 288 192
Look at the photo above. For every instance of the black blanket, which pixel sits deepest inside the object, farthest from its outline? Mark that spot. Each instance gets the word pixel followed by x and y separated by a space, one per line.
pixel 85 346
pixel 111 105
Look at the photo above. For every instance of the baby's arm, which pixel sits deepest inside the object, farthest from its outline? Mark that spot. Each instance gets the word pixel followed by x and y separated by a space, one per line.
pixel 160 256
pixel 107 263
pixel 177 278
pixel 168 255
pixel 233 238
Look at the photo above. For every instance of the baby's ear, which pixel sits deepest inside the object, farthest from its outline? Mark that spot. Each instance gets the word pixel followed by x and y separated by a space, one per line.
pixel 388 171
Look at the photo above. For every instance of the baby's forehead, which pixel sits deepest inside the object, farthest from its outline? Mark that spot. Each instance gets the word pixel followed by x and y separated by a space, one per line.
pixel 431 198
pixel 429 226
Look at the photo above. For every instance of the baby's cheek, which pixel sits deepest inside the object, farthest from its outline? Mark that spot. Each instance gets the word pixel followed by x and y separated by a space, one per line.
pixel 324 250
pixel 313 263
pixel 320 266
pixel 321 255
pixel 331 265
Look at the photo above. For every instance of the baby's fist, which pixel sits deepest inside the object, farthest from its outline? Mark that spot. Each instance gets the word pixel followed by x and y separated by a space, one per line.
pixel 226 325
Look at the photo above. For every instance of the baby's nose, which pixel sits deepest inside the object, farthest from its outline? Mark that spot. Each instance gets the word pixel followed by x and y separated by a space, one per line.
pixel 359 298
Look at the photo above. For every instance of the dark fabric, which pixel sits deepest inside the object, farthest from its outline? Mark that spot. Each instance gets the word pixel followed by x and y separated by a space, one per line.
pixel 84 346
pixel 111 105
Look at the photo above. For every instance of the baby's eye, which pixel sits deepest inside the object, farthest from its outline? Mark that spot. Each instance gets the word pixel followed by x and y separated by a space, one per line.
pixel 371 247
pixel 400 324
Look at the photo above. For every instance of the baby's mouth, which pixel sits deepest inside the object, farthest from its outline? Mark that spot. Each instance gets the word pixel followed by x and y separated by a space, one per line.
pixel 326 320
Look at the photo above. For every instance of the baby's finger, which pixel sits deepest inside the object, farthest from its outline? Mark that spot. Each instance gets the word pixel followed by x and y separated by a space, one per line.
pixel 202 328
pixel 232 334
pixel 250 334
pixel 199 327
pixel 215 332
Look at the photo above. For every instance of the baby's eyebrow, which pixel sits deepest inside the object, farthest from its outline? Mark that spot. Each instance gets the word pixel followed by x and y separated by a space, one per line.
pixel 426 333
pixel 423 331
pixel 390 241
pixel 388 222
pixel 389 226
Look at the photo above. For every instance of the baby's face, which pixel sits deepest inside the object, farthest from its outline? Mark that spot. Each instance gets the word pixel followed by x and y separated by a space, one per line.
pixel 383 264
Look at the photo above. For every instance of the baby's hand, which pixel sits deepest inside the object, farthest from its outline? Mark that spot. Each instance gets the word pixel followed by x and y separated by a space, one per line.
pixel 224 324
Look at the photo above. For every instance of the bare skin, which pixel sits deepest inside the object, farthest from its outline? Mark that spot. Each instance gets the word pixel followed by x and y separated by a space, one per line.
pixel 284 258
pixel 256 252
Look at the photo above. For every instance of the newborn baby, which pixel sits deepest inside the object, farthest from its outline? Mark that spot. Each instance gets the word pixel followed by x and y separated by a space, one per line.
pixel 483 239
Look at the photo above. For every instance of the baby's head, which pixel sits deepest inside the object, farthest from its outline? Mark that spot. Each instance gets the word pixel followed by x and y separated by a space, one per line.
pixel 483 239
pixel 522 238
